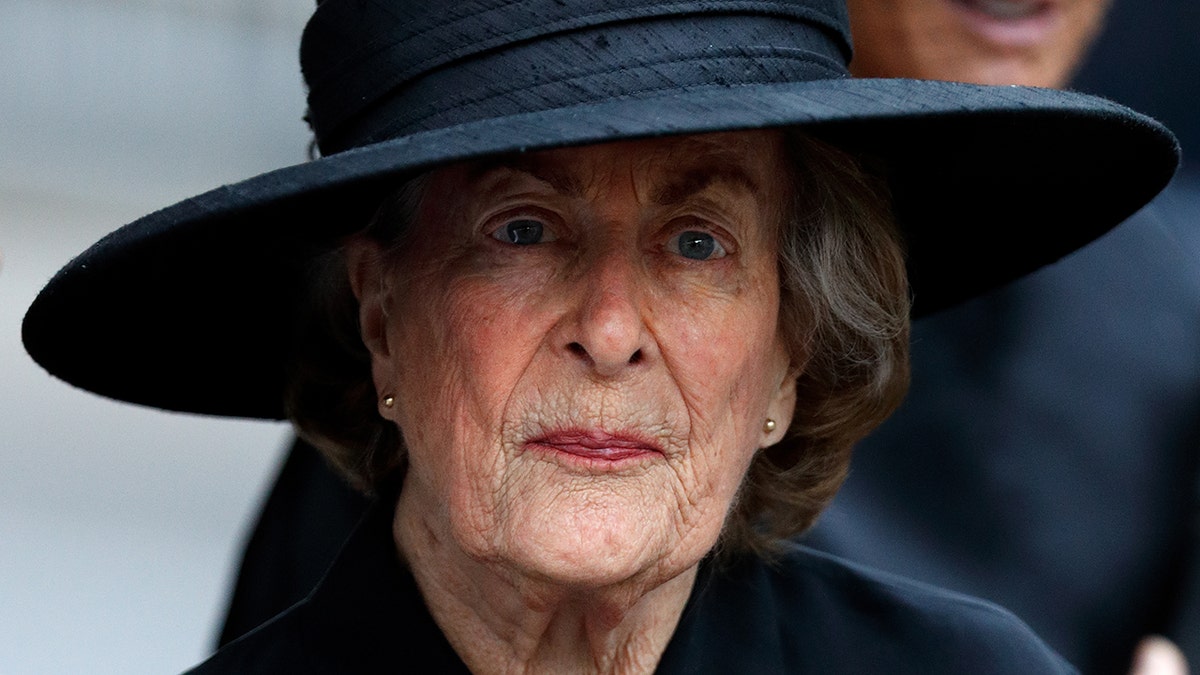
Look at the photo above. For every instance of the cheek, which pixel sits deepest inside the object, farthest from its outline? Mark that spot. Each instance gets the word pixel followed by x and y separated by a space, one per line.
pixel 460 352
pixel 460 316
pixel 722 357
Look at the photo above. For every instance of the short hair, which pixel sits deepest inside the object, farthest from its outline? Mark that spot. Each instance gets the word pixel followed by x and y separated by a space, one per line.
pixel 844 317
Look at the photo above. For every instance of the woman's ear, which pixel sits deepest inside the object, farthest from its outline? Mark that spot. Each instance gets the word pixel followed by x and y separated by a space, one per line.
pixel 368 281
pixel 781 408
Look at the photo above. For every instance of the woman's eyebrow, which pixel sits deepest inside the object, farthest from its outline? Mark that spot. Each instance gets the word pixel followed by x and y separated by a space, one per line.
pixel 556 177
pixel 694 181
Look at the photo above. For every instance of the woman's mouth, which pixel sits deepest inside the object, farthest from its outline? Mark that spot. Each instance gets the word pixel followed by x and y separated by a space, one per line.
pixel 596 447
pixel 1012 23
pixel 1006 10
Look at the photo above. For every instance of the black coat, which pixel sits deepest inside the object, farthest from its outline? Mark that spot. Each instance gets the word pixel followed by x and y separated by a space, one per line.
pixel 808 613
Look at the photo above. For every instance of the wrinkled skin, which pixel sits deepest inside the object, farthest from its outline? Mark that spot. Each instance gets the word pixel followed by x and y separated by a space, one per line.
pixel 1030 42
pixel 502 355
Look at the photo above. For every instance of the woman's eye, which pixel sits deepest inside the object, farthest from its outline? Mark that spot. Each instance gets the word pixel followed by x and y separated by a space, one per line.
pixel 696 245
pixel 521 232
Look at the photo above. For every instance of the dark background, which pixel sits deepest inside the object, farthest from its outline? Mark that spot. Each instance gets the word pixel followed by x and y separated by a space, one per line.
pixel 1148 58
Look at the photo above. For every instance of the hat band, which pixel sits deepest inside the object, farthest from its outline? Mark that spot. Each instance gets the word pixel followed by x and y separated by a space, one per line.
pixel 355 52
pixel 603 64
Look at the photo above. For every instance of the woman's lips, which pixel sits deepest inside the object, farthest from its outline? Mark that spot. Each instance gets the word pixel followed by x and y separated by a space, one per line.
pixel 1011 23
pixel 596 445
pixel 1007 10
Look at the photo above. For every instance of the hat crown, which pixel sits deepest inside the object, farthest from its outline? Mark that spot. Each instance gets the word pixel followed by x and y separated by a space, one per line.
pixel 378 70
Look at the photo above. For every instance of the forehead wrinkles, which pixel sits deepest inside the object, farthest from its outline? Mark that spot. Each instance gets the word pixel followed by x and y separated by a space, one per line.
pixel 660 171
pixel 683 168
pixel 559 176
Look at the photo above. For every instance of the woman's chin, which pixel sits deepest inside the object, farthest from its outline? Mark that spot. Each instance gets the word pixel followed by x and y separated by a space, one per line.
pixel 586 530
pixel 587 568
pixel 603 549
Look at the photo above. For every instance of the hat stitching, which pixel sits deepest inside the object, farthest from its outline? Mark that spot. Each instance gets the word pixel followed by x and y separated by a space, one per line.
pixel 767 54
pixel 767 7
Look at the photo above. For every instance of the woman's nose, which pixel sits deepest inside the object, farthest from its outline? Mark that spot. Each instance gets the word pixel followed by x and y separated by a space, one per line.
pixel 609 333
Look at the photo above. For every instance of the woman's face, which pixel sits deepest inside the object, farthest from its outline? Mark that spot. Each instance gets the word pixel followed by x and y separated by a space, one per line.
pixel 583 349
pixel 1031 42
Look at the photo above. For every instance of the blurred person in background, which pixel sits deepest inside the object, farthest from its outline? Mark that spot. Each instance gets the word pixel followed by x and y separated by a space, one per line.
pixel 1038 43
pixel 1061 411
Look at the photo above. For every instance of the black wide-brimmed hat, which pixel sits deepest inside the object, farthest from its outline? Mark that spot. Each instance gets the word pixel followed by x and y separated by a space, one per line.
pixel 191 308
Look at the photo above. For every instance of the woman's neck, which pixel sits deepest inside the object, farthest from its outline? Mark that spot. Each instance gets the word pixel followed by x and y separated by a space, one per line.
pixel 501 621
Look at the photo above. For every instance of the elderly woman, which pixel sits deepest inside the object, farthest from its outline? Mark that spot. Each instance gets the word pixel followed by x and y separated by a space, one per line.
pixel 595 300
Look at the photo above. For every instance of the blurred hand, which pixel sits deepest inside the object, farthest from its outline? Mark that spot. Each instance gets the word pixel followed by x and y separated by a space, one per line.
pixel 1157 655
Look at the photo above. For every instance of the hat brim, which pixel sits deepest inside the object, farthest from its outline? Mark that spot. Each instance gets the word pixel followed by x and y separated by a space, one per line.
pixel 191 308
